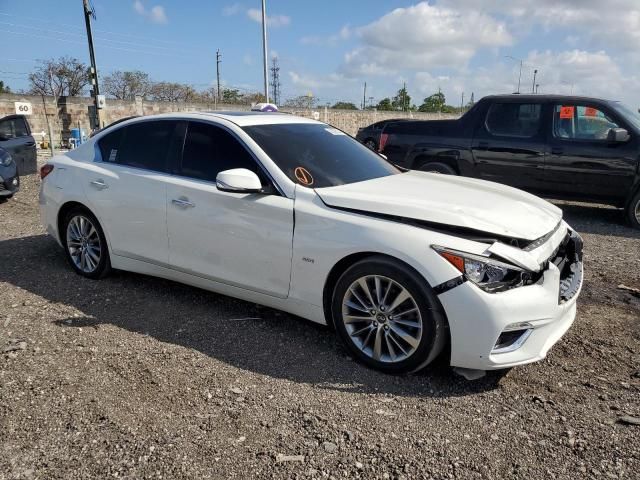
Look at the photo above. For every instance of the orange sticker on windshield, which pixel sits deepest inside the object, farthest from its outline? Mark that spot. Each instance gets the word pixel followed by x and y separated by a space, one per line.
pixel 590 112
pixel 303 176
pixel 566 112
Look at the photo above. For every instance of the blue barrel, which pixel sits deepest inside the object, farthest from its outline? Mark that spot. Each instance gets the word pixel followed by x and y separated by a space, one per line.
pixel 78 135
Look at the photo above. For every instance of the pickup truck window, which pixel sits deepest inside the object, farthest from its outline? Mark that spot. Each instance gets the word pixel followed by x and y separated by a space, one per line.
pixel 513 119
pixel 13 128
pixel 581 122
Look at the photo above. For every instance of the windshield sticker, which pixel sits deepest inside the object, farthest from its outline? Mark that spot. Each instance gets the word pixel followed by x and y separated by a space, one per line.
pixel 334 131
pixel 590 112
pixel 303 176
pixel 566 112
pixel 112 155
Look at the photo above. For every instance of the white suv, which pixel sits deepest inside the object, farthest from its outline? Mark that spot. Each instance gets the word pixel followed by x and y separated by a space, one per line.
pixel 296 215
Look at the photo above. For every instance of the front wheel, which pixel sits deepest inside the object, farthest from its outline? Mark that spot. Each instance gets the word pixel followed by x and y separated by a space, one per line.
pixel 387 316
pixel 633 211
pixel 85 244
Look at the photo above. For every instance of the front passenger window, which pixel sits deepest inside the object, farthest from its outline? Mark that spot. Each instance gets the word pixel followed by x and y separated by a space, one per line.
pixel 209 150
pixel 581 122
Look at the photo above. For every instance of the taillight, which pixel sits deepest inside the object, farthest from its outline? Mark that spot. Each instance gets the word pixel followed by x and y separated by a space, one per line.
pixel 383 141
pixel 45 170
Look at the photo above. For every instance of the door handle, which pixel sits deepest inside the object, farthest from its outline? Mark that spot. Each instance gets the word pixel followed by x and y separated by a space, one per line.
pixel 556 151
pixel 183 202
pixel 30 144
pixel 99 184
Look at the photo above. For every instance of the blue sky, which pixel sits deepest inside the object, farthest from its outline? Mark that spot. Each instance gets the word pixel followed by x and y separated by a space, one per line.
pixel 330 48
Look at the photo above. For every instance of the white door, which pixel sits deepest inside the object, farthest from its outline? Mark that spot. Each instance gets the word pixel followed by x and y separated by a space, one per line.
pixel 243 240
pixel 128 189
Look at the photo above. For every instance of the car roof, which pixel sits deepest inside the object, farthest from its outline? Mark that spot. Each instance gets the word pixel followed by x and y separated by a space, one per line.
pixel 544 97
pixel 242 118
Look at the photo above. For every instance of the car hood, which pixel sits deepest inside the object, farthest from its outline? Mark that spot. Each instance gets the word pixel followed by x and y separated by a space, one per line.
pixel 449 200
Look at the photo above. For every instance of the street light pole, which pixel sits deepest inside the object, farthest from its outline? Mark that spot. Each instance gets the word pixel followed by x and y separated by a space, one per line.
pixel 520 74
pixel 264 50
pixel 533 85
pixel 92 56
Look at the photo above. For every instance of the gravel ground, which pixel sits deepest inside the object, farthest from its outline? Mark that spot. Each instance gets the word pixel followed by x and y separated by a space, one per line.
pixel 138 377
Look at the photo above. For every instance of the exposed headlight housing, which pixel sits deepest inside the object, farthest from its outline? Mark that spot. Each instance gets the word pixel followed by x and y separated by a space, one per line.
pixel 487 273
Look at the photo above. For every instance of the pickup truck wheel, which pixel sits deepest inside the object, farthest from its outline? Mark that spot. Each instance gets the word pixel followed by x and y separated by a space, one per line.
pixel 633 211
pixel 371 144
pixel 437 167
pixel 387 316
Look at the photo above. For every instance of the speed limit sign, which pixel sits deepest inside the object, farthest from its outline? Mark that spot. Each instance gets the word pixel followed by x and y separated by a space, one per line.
pixel 23 108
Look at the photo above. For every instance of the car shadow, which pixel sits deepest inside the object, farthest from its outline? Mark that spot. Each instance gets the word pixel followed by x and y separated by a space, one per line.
pixel 597 219
pixel 241 334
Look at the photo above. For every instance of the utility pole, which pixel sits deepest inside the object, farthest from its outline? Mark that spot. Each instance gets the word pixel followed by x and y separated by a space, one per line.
pixel 264 50
pixel 275 80
pixel 533 86
pixel 404 96
pixel 520 74
pixel 462 103
pixel 364 96
pixel 94 70
pixel 218 60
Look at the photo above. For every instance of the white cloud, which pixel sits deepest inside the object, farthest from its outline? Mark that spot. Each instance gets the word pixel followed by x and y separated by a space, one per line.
pixel 274 21
pixel 345 33
pixel 424 36
pixel 232 9
pixel 156 13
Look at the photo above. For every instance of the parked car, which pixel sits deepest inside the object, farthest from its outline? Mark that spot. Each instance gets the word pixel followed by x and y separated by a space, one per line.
pixel 370 136
pixel 556 146
pixel 15 137
pixel 9 178
pixel 296 215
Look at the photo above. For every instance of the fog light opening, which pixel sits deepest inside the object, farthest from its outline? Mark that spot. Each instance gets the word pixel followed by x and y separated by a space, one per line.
pixel 511 340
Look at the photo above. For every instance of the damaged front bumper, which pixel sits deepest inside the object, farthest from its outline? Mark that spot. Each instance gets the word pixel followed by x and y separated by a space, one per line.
pixel 501 330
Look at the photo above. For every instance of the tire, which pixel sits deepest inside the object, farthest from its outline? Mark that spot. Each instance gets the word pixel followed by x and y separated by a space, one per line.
pixel 379 340
pixel 371 144
pixel 85 245
pixel 633 211
pixel 437 167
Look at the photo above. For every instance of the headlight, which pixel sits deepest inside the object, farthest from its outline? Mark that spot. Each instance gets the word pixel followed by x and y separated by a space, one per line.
pixel 488 274
pixel 5 158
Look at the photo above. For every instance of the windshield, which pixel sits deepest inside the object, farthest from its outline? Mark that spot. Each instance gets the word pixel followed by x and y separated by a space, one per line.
pixel 629 115
pixel 317 155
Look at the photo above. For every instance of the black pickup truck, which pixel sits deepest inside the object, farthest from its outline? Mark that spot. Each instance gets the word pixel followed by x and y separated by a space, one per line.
pixel 556 146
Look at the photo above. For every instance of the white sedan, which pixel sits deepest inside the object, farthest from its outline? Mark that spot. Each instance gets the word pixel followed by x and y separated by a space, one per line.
pixel 296 215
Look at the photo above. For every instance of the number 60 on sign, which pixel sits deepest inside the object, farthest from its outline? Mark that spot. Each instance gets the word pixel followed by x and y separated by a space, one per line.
pixel 23 108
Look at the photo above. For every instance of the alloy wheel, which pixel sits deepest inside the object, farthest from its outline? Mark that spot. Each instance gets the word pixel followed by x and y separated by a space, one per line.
pixel 382 318
pixel 83 244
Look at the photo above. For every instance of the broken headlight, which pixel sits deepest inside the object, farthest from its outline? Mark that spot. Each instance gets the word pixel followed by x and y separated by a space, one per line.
pixel 488 274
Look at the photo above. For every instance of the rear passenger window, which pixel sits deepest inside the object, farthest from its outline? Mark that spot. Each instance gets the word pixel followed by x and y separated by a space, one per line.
pixel 209 150
pixel 143 145
pixel 514 119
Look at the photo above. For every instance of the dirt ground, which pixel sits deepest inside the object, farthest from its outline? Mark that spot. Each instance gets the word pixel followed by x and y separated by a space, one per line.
pixel 136 377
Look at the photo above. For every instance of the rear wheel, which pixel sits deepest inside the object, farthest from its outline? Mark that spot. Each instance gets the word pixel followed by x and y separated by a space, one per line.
pixel 633 211
pixel 371 144
pixel 387 316
pixel 437 167
pixel 85 244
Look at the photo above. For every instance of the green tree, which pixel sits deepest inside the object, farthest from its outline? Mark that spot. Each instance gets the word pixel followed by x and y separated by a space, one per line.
pixel 344 106
pixel 4 88
pixel 433 103
pixel 385 105
pixel 402 100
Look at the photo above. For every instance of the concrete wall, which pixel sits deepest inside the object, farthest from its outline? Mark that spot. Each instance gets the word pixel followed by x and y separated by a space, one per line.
pixel 69 112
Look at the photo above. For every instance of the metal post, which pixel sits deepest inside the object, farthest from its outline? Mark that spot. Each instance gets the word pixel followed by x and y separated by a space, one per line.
pixel 364 96
pixel 44 104
pixel 520 76
pixel 533 86
pixel 264 50
pixel 92 56
pixel 218 60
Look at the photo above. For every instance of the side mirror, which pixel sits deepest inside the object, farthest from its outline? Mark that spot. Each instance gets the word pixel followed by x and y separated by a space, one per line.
pixel 238 180
pixel 617 135
pixel 383 156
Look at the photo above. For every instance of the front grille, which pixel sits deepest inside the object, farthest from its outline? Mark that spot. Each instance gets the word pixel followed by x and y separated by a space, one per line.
pixel 568 259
